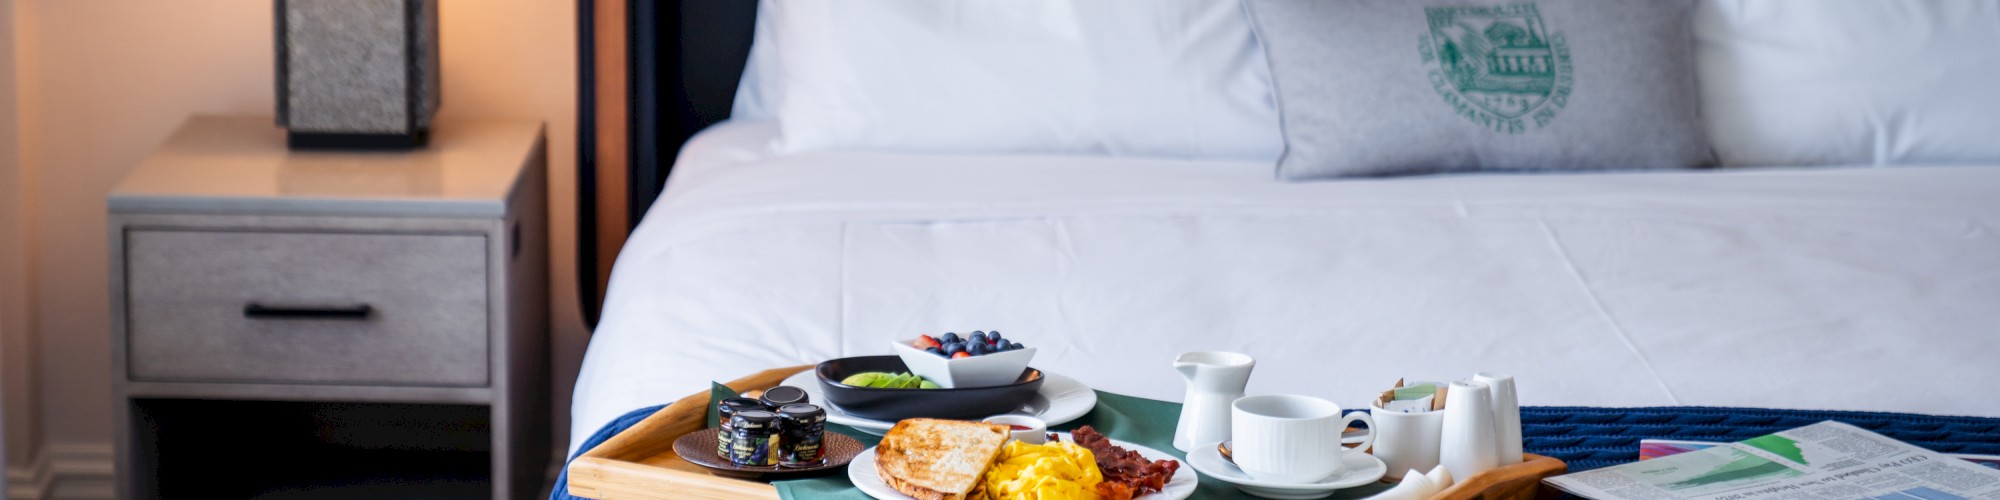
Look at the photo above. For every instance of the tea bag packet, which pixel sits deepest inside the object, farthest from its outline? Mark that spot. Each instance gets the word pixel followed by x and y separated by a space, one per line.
pixel 1417 397
pixel 1419 405
pixel 1416 391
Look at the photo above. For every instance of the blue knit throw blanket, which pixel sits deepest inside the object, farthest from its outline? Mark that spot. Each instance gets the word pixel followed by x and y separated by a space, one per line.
pixel 1589 438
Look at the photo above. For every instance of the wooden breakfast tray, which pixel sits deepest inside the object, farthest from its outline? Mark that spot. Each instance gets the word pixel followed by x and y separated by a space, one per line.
pixel 640 462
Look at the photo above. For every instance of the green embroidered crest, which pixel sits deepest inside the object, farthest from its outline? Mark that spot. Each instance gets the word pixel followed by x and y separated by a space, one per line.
pixel 1497 66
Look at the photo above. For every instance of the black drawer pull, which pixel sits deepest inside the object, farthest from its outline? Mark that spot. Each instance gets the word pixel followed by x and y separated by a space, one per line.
pixel 254 310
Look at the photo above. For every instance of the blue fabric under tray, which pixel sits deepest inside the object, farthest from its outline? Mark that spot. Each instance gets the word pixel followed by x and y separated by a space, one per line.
pixel 1589 438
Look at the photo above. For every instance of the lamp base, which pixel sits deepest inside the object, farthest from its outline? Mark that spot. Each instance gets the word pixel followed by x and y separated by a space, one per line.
pixel 340 141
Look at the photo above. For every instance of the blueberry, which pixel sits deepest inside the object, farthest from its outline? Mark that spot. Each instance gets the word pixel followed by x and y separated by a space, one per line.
pixel 954 348
pixel 949 337
pixel 1015 346
pixel 993 335
pixel 933 350
pixel 978 337
pixel 978 349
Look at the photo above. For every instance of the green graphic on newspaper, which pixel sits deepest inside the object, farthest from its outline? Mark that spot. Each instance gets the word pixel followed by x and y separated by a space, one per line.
pixel 1720 469
pixel 1780 446
pixel 1738 466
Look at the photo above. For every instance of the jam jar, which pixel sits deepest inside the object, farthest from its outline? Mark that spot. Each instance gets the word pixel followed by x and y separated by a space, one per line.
pixel 802 430
pixel 726 409
pixel 755 441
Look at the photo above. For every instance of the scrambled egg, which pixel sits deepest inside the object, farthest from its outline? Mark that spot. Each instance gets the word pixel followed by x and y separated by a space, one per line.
pixel 1043 472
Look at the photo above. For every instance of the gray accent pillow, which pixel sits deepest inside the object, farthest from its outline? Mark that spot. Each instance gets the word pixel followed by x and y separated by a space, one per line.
pixel 1391 87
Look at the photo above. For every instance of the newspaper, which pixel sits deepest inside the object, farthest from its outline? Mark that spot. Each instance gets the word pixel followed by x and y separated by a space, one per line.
pixel 1824 460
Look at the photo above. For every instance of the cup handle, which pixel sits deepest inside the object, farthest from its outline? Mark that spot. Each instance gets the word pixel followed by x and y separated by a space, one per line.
pixel 1361 416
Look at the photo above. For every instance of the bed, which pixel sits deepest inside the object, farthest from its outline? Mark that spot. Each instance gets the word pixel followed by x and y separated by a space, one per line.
pixel 1822 287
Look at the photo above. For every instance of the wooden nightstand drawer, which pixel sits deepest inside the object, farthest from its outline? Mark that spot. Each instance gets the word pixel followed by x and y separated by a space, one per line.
pixel 307 308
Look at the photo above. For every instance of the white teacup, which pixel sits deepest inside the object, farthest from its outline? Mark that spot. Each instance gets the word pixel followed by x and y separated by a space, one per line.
pixel 1291 439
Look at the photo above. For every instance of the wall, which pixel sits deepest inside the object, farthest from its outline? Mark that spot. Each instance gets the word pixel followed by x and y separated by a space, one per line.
pixel 15 390
pixel 9 248
pixel 518 58
pixel 103 82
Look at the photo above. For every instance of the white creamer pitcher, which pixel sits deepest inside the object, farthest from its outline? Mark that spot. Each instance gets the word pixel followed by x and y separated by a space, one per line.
pixel 1214 380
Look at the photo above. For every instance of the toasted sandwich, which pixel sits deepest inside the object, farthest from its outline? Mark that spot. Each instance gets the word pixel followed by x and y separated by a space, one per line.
pixel 932 459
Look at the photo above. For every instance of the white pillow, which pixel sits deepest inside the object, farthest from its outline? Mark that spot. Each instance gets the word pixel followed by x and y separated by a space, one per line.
pixel 1170 78
pixel 1872 82
pixel 754 91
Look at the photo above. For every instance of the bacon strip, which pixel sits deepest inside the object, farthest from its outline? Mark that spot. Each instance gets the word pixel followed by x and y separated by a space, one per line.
pixel 1127 474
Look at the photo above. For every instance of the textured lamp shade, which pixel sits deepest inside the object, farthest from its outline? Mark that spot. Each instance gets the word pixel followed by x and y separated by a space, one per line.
pixel 357 74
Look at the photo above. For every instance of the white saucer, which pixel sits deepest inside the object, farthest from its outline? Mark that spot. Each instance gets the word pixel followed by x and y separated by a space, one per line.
pixel 1060 400
pixel 862 472
pixel 1361 469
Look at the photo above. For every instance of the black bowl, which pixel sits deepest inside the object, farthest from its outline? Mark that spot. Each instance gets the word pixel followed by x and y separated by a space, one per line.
pixel 897 404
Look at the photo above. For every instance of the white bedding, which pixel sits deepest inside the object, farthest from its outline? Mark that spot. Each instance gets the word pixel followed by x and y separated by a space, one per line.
pixel 1823 288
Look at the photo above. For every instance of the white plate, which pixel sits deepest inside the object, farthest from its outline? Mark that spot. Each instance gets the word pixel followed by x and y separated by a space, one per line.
pixel 1060 400
pixel 862 472
pixel 1362 468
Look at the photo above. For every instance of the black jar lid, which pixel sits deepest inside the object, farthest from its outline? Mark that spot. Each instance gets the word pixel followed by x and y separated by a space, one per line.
pixel 745 405
pixel 783 395
pixel 805 413
pixel 732 405
pixel 753 420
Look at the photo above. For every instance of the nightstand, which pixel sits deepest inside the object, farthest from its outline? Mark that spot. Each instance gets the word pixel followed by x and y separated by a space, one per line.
pixel 332 324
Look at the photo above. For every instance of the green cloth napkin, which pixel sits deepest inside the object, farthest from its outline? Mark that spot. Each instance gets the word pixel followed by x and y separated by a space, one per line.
pixel 1146 422
pixel 716 393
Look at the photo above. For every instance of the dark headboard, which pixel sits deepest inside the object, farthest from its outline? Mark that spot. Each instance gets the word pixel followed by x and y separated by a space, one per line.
pixel 651 74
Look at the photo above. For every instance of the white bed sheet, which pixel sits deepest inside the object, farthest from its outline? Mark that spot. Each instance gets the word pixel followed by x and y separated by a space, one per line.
pixel 1821 288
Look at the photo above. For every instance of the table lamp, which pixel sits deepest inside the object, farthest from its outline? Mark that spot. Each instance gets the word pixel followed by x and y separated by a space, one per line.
pixel 357 74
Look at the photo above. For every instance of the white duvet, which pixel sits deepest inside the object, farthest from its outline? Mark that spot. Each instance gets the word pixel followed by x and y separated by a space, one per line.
pixel 1819 288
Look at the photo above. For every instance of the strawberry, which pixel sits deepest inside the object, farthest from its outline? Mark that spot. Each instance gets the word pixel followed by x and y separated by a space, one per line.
pixel 926 341
pixel 961 354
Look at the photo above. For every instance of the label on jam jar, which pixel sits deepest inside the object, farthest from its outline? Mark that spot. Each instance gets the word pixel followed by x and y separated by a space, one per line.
pixel 803 428
pixel 756 438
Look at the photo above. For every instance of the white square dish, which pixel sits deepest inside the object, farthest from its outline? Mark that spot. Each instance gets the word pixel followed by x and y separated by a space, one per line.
pixel 992 369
